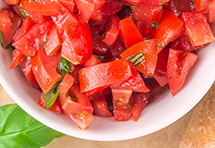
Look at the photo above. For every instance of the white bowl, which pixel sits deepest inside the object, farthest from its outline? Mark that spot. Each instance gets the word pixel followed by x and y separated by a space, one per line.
pixel 155 116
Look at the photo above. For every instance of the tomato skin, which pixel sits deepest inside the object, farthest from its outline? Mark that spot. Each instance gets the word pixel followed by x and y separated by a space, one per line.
pixel 178 67
pixel 27 24
pixel 126 27
pixel 139 102
pixel 77 43
pixel 150 49
pixel 112 30
pixel 106 74
pixel 122 114
pixel 179 6
pixel 111 7
pixel 211 12
pixel 101 107
pixel 197 28
pixel 10 22
pixel 44 69
pixel 53 41
pixel 117 48
pixel 169 26
pixel 17 58
pixel 29 43
pixel 56 107
pixel 26 68
pixel 201 4
pixel 11 2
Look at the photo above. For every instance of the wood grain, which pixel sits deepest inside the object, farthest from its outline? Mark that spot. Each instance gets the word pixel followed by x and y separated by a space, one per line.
pixel 168 137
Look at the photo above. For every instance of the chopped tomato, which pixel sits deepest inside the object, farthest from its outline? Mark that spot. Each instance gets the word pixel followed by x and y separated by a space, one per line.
pixel 169 26
pixel 121 97
pixel 27 24
pixel 10 22
pixel 53 41
pixel 74 36
pixel 92 61
pixel 56 107
pixel 178 67
pixel 17 58
pixel 112 30
pixel 26 68
pixel 201 4
pixel 44 69
pixel 106 74
pixel 138 104
pixel 117 48
pixel 126 27
pixel 122 114
pixel 197 28
pixel 111 7
pixel 148 50
pixel 32 40
pixel 11 2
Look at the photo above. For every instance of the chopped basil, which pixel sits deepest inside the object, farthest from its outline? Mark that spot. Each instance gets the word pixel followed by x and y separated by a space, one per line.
pixel 23 12
pixel 73 97
pixel 1 39
pixel 161 3
pixel 64 66
pixel 52 95
pixel 137 59
pixel 129 107
pixel 160 44
pixel 154 24
pixel 128 10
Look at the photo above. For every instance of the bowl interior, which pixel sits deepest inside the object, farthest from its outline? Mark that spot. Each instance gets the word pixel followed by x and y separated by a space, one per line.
pixel 155 116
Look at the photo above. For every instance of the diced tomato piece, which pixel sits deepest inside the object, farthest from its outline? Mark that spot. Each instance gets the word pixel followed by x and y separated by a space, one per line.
pixel 56 107
pixel 122 114
pixel 44 69
pixel 64 18
pixel 169 26
pixel 149 49
pixel 31 41
pixel 145 16
pixel 160 71
pixel 197 28
pixel 154 2
pixel 75 72
pixel 26 68
pixel 97 15
pixel 211 11
pixel 117 48
pixel 27 24
pixel 53 41
pixel 112 30
pixel 64 87
pixel 111 7
pixel 82 119
pixel 183 43
pixel 69 4
pixel 127 26
pixel 10 22
pixel 17 58
pixel 178 67
pixel 201 4
pixel 11 2
pixel 101 107
pixel 48 9
pixel 179 6
pixel 135 82
pixel 121 97
pixel 92 61
pixel 99 46
pixel 104 74
pixel 139 102
pixel 74 36
pixel 99 22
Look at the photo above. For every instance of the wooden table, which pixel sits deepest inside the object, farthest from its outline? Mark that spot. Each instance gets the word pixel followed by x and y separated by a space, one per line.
pixel 168 137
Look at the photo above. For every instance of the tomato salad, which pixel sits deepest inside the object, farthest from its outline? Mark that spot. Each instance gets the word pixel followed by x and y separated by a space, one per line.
pixel 105 58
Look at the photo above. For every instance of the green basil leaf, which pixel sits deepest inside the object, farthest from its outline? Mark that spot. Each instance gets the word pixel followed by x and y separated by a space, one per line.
pixel 50 98
pixel 137 59
pixel 64 66
pixel 23 12
pixel 20 130
pixel 154 25
pixel 1 39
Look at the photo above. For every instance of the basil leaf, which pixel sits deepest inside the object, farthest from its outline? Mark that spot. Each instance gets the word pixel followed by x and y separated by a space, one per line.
pixel 52 95
pixel 160 44
pixel 137 59
pixel 154 25
pixel 20 130
pixel 23 12
pixel 64 66
pixel 1 39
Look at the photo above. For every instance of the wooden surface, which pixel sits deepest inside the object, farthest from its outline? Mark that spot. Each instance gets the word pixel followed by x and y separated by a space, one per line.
pixel 168 137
